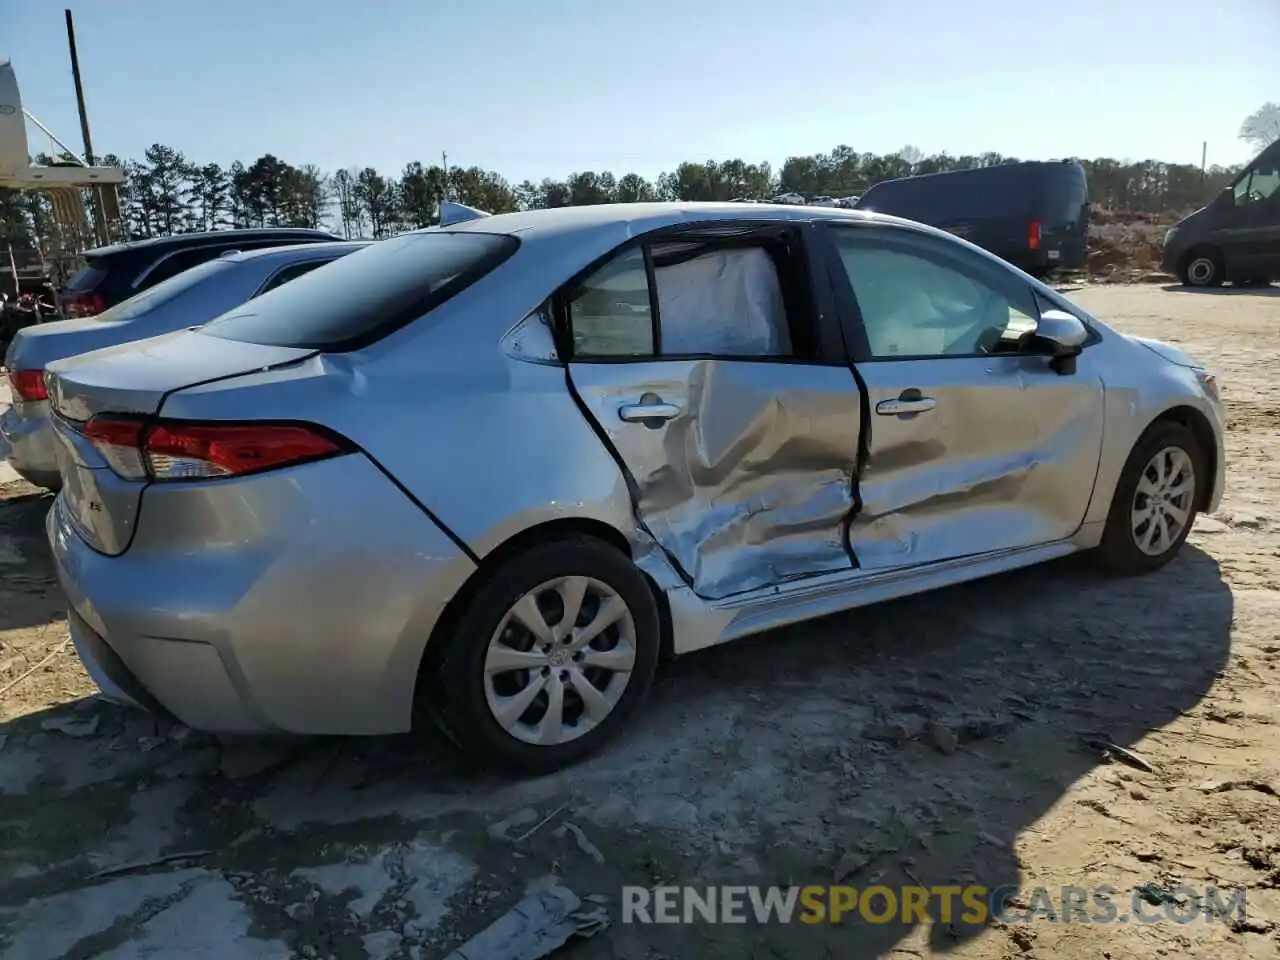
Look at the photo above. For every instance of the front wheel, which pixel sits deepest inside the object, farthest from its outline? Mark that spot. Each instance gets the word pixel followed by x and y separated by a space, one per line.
pixel 1155 501
pixel 1202 268
pixel 550 657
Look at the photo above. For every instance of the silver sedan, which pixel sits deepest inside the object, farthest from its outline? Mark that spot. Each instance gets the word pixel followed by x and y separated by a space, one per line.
pixel 184 300
pixel 493 473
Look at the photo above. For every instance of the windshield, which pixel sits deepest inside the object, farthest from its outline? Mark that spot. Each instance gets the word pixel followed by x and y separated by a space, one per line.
pixel 366 295
pixel 161 293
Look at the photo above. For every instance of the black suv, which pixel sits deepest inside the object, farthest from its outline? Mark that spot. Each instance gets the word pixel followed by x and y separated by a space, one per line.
pixel 115 273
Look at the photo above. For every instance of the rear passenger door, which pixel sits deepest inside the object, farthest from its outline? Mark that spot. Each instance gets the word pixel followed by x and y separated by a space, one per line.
pixel 973 447
pixel 705 366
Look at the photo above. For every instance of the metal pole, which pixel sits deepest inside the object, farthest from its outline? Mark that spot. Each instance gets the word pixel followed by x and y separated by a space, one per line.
pixel 99 214
pixel 13 265
pixel 1204 156
pixel 75 74
pixel 444 166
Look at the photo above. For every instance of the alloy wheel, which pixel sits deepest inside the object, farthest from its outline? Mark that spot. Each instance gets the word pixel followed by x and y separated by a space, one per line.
pixel 1163 501
pixel 560 660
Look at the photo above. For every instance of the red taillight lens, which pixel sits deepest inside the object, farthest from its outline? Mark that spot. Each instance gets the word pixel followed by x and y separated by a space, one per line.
pixel 195 451
pixel 84 305
pixel 1033 235
pixel 119 440
pixel 28 384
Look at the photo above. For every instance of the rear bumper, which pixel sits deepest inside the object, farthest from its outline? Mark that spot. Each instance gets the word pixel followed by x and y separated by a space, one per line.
pixel 298 601
pixel 27 442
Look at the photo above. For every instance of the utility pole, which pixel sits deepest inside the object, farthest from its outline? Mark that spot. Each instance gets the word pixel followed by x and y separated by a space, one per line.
pixel 99 214
pixel 444 165
pixel 1204 156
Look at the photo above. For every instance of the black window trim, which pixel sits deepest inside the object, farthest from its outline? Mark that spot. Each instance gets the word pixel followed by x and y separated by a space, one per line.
pixel 827 339
pixel 851 312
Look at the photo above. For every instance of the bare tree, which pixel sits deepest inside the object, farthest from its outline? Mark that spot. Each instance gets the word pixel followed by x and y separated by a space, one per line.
pixel 1262 127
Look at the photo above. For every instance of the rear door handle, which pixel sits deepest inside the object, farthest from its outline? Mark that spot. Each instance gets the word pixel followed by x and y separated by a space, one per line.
pixel 899 407
pixel 641 412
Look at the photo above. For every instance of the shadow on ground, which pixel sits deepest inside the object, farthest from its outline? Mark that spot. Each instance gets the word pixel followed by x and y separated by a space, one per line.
pixel 1228 291
pixel 31 596
pixel 906 743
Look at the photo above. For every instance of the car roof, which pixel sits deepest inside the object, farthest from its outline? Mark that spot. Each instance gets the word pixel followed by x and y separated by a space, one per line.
pixel 178 240
pixel 996 171
pixel 582 234
pixel 638 218
pixel 298 251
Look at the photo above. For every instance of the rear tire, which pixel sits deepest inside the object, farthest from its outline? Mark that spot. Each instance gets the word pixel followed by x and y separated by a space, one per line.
pixel 520 685
pixel 1155 501
pixel 1202 267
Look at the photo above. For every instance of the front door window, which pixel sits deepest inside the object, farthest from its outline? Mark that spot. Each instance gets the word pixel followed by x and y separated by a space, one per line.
pixel 1258 188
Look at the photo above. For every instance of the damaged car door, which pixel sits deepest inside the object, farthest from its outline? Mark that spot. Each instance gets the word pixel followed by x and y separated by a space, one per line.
pixel 735 416
pixel 974 444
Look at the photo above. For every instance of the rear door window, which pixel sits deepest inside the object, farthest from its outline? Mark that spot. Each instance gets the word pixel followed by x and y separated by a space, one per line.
pixel 1065 199
pixel 366 295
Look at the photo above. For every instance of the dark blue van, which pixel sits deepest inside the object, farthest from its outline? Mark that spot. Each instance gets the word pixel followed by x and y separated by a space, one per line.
pixel 1035 214
pixel 1237 236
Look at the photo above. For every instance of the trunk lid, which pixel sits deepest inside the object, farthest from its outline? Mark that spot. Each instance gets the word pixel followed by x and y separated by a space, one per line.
pixel 133 378
pixel 34 348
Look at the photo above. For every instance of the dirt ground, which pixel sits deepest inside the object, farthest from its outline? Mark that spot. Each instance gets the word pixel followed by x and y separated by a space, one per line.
pixel 940 740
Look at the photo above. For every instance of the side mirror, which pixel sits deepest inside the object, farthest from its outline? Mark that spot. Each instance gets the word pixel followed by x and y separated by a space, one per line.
pixel 1062 336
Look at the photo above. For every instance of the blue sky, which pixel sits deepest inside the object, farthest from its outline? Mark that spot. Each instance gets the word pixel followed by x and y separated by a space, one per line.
pixel 545 87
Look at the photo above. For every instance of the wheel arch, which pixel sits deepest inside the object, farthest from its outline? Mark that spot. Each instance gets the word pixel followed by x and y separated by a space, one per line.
pixel 562 528
pixel 1198 249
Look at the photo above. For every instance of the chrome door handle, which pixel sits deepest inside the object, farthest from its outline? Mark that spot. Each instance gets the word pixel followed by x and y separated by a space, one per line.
pixel 640 412
pixel 893 408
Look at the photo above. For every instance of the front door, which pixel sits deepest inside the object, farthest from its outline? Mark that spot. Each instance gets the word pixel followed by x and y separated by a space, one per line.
pixel 973 447
pixel 1251 236
pixel 737 424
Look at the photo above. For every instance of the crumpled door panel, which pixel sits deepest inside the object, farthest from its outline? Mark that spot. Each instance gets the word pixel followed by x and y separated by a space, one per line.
pixel 750 483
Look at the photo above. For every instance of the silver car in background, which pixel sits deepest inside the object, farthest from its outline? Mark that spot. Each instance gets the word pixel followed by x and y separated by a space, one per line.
pixel 492 473
pixel 184 300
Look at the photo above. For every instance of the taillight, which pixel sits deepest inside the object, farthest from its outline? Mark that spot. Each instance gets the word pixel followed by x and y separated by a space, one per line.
pixel 84 305
pixel 174 450
pixel 1033 235
pixel 28 385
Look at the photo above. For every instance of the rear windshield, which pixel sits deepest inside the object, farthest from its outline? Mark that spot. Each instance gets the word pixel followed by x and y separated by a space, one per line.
pixel 85 279
pixel 366 295
pixel 162 292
